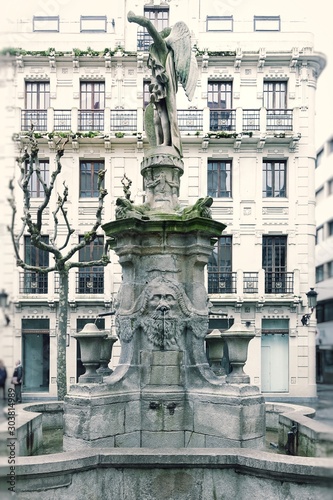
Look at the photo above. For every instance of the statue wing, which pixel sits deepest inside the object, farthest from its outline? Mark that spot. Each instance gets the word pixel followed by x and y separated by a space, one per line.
pixel 185 62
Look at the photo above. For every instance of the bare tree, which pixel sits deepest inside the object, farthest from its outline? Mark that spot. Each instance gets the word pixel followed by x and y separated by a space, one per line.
pixel 63 251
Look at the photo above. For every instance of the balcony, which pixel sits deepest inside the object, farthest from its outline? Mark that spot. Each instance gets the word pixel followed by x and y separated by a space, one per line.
pixel 35 117
pixel 123 120
pixel 222 120
pixel 88 282
pixel 222 282
pixel 33 282
pixel 62 120
pixel 190 119
pixel 92 120
pixel 279 119
pixel 251 120
pixel 250 283
pixel 280 282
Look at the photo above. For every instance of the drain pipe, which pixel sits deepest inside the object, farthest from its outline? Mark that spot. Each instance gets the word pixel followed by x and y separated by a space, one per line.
pixel 291 446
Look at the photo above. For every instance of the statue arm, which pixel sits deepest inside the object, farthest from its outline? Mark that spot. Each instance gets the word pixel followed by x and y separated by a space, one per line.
pixel 146 23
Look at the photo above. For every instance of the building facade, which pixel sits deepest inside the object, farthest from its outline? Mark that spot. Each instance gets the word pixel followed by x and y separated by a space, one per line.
pixel 248 142
pixel 324 261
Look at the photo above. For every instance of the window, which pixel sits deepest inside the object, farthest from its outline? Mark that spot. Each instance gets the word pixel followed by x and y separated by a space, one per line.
pixel 330 269
pixel 330 186
pixel 275 95
pixel 91 279
pixel 93 23
pixel 219 23
pixel 330 228
pixel 45 23
pixel 320 194
pixel 220 95
pixel 37 95
pixel 274 179
pixel 159 16
pixel 37 100
pixel 219 179
pixel 221 279
pixel 324 311
pixel 36 354
pixel 274 263
pixel 92 98
pixel 34 281
pixel 35 187
pixel 92 95
pixel 89 178
pixel 222 116
pixel 146 93
pixel 319 234
pixel 267 23
pixel 319 273
pixel 319 157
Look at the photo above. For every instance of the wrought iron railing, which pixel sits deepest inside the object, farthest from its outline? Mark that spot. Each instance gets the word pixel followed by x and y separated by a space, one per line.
pixel 35 117
pixel 279 282
pixel 279 119
pixel 62 119
pixel 91 120
pixel 122 120
pixel 222 282
pixel 190 119
pixel 250 282
pixel 33 282
pixel 251 120
pixel 90 281
pixel 222 120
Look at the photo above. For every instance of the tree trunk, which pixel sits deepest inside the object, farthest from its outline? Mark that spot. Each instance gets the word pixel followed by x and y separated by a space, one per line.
pixel 62 334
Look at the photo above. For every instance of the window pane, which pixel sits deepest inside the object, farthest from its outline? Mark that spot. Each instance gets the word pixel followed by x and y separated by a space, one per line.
pixel 219 179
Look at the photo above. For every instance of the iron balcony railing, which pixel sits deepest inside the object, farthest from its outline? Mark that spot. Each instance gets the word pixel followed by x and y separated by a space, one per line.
pixel 279 119
pixel 222 282
pixel 251 120
pixel 250 282
pixel 190 119
pixel 90 281
pixel 122 120
pixel 33 282
pixel 62 119
pixel 279 282
pixel 35 117
pixel 222 120
pixel 92 120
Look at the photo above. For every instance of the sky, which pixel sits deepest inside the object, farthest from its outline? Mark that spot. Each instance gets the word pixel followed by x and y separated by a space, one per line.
pixel 317 13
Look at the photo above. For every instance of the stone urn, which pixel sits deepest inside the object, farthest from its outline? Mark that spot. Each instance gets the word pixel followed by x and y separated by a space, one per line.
pixel 106 353
pixel 237 339
pixel 90 339
pixel 215 345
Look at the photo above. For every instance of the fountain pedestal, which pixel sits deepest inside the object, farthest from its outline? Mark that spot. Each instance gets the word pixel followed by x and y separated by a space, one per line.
pixel 163 392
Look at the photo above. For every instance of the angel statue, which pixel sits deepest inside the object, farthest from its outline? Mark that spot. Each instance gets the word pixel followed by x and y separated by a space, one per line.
pixel 170 59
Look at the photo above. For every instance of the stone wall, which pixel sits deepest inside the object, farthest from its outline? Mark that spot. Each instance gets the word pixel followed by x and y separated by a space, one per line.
pixel 173 474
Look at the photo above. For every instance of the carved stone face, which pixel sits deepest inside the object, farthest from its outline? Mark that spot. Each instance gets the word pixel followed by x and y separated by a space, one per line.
pixel 161 299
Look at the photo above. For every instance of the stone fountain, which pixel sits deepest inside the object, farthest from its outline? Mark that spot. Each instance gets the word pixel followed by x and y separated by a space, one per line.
pixel 163 391
pixel 164 424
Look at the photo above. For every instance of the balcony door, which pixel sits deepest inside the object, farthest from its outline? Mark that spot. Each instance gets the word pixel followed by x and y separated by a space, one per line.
pixel 274 263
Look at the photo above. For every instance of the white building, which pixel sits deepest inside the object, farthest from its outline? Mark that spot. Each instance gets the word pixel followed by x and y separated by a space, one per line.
pixel 248 141
pixel 324 261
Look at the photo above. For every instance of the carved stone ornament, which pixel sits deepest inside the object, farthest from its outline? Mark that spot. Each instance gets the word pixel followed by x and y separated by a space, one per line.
pixel 162 312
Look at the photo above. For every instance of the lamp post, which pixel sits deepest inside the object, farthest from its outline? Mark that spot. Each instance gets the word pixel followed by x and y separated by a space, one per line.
pixel 312 302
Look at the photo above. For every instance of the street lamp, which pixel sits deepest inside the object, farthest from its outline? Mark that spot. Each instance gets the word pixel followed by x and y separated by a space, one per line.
pixel 312 302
